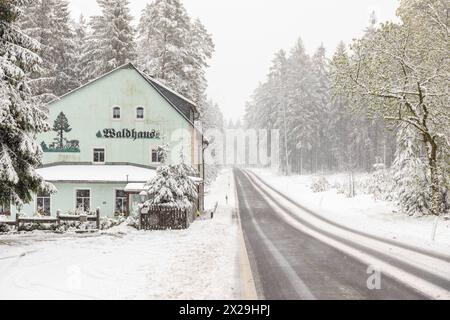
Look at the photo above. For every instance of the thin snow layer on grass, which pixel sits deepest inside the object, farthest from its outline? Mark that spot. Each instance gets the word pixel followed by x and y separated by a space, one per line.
pixel 362 212
pixel 123 263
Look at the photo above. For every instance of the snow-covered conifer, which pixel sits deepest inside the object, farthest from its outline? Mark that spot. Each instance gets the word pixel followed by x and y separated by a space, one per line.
pixel 48 22
pixel 21 118
pixel 411 182
pixel 175 50
pixel 111 41
pixel 80 28
pixel 164 32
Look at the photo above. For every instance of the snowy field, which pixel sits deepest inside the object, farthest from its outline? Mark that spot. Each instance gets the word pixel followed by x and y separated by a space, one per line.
pixel 362 212
pixel 123 263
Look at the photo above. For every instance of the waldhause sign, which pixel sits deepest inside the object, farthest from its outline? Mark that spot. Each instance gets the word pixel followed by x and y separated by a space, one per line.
pixel 128 134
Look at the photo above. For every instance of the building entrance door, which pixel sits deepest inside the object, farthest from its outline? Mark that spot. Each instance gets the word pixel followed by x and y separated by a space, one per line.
pixel 134 199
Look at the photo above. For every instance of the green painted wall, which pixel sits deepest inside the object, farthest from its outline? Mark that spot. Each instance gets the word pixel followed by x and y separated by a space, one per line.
pixel 102 196
pixel 89 110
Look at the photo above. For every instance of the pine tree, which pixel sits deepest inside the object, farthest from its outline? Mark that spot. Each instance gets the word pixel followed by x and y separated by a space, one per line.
pixel 65 55
pixel 164 189
pixel 201 50
pixel 61 125
pixel 213 123
pixel 48 21
pixel 81 33
pixel 175 50
pixel 111 43
pixel 411 185
pixel 21 118
pixel 172 187
pixel 164 32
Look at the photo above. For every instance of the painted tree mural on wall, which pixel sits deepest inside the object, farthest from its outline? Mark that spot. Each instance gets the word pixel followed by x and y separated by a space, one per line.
pixel 61 143
pixel 61 125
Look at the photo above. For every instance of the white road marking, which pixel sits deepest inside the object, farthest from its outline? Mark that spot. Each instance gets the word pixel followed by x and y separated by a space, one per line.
pixel 429 289
pixel 413 258
pixel 299 286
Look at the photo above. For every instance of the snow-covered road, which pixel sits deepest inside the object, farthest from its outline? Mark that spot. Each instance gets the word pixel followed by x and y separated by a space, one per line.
pixel 298 254
pixel 199 263
pixel 363 212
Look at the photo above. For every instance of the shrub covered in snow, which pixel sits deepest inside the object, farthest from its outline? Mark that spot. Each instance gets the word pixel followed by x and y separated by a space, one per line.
pixel 36 226
pixel 133 221
pixel 339 187
pixel 4 228
pixel 108 223
pixel 412 188
pixel 320 184
pixel 380 183
pixel 71 226
pixel 173 187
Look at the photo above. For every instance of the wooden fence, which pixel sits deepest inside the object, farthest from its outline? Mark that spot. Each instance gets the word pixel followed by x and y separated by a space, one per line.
pixel 20 221
pixel 163 218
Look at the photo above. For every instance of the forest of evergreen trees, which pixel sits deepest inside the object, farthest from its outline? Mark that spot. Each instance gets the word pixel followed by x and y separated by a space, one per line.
pixel 381 102
pixel 166 43
pixel 323 134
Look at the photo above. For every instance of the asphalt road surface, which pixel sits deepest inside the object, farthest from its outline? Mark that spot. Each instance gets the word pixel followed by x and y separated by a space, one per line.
pixel 290 264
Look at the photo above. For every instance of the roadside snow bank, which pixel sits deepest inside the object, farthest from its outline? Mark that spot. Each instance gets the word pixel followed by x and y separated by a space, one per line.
pixel 362 212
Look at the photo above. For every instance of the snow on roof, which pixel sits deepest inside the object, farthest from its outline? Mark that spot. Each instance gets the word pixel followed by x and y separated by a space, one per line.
pixel 97 173
pixel 135 187
pixel 159 83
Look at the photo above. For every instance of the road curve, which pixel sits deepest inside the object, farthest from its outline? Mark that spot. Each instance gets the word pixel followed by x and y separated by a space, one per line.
pixel 290 264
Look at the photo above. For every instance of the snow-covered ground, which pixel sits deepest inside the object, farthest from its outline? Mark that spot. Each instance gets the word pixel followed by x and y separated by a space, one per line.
pixel 362 212
pixel 123 263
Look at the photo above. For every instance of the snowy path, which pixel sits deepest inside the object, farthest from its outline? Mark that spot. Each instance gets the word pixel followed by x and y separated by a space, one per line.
pixel 199 263
pixel 313 258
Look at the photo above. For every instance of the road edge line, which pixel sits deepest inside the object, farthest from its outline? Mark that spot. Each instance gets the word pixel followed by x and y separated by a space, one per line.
pixel 247 281
pixel 366 258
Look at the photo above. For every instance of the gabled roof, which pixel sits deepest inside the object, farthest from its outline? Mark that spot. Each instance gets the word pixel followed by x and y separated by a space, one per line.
pixel 179 102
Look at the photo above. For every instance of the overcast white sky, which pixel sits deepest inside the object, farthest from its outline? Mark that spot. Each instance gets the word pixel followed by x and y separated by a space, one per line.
pixel 247 33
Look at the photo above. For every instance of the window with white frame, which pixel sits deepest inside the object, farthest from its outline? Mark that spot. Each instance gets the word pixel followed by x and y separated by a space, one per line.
pixel 140 113
pixel 5 208
pixel 99 155
pixel 83 200
pixel 43 204
pixel 116 114
pixel 121 202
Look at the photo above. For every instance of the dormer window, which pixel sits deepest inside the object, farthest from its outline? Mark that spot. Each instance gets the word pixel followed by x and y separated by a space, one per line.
pixel 116 113
pixel 140 112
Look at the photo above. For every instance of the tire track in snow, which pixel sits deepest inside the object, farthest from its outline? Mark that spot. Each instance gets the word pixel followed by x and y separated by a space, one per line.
pixel 428 283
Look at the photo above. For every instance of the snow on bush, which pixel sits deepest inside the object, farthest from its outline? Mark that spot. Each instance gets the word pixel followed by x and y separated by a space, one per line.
pixel 108 223
pixel 133 221
pixel 339 187
pixel 380 183
pixel 4 228
pixel 173 185
pixel 412 188
pixel 36 226
pixel 320 184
